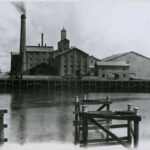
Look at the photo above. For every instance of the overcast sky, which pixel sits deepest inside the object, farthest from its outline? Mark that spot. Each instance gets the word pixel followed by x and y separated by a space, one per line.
pixel 98 28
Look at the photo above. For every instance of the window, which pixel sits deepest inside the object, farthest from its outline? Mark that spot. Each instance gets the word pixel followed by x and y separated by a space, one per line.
pixel 65 71
pixel 124 75
pixel 65 66
pixel 103 75
pixel 85 66
pixel 65 61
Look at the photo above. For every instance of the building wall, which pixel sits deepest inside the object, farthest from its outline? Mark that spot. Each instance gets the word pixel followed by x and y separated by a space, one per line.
pixel 16 66
pixel 139 65
pixel 91 63
pixel 72 62
pixel 36 58
pixel 111 73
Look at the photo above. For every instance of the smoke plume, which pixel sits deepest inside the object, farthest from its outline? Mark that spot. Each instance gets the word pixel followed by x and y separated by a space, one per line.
pixel 20 7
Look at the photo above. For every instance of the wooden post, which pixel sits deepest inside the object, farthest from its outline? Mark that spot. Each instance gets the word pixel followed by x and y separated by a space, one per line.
pixel 129 107
pixel 76 122
pixel 12 84
pixel 84 106
pixel 27 85
pixel 5 86
pixel 48 85
pixel 108 105
pixel 107 108
pixel 95 87
pixel 20 84
pixel 136 128
pixel 1 128
pixel 82 85
pixel 85 130
pixel 69 85
pixel 62 85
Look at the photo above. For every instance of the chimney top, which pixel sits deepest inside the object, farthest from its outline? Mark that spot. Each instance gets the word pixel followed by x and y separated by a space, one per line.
pixel 23 16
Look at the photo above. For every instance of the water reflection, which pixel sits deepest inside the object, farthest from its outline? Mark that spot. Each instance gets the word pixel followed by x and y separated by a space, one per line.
pixel 42 116
pixel 46 116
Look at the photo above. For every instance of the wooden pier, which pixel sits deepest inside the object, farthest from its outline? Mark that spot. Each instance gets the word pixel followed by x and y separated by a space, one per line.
pixel 102 119
pixel 2 126
pixel 82 85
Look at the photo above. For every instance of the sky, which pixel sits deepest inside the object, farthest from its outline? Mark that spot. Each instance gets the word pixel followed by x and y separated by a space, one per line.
pixel 100 28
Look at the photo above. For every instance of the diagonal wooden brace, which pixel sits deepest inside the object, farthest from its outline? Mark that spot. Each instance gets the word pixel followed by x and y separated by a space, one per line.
pixel 109 133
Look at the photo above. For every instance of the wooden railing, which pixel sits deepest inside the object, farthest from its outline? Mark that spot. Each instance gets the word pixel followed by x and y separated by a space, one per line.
pixel 102 119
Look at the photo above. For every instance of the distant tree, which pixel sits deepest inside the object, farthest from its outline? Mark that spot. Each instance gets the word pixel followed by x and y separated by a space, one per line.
pixel 0 71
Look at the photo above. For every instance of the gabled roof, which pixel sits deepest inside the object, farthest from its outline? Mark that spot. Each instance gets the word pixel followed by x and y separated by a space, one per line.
pixel 113 57
pixel 113 63
pixel 95 58
pixel 70 51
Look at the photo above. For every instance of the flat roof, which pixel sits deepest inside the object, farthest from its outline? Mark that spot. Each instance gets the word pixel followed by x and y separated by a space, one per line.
pixel 113 63
pixel 39 48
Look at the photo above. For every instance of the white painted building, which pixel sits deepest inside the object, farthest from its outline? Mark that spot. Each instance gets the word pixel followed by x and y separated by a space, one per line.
pixel 112 70
pixel 139 64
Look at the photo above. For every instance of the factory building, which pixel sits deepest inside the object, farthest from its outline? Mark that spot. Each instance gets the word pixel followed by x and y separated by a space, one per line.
pixel 37 55
pixel 73 62
pixel 32 60
pixel 112 70
pixel 44 60
pixel 139 64
pixel 70 62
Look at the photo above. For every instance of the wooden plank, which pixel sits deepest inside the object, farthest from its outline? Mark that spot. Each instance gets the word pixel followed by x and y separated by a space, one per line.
pixel 91 103
pixel 103 121
pixel 118 126
pixel 110 115
pixel 104 140
pixel 110 133
pixel 101 107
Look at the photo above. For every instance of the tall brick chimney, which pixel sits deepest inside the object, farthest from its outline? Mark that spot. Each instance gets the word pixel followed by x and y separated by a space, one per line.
pixel 23 42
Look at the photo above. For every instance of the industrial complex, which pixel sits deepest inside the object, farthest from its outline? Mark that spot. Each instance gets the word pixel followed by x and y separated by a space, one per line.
pixel 72 62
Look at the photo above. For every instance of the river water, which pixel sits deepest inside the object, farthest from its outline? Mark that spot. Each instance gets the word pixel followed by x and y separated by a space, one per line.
pixel 47 116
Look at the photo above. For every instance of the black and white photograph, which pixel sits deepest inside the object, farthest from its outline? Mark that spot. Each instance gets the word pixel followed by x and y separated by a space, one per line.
pixel 75 75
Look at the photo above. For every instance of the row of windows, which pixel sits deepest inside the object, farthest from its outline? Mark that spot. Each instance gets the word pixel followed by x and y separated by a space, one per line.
pixel 38 59
pixel 72 71
pixel 78 66
pixel 114 69
pixel 103 75
pixel 38 53
pixel 78 56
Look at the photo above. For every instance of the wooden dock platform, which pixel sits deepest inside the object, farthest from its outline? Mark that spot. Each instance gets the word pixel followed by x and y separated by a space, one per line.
pixel 82 85
pixel 102 119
